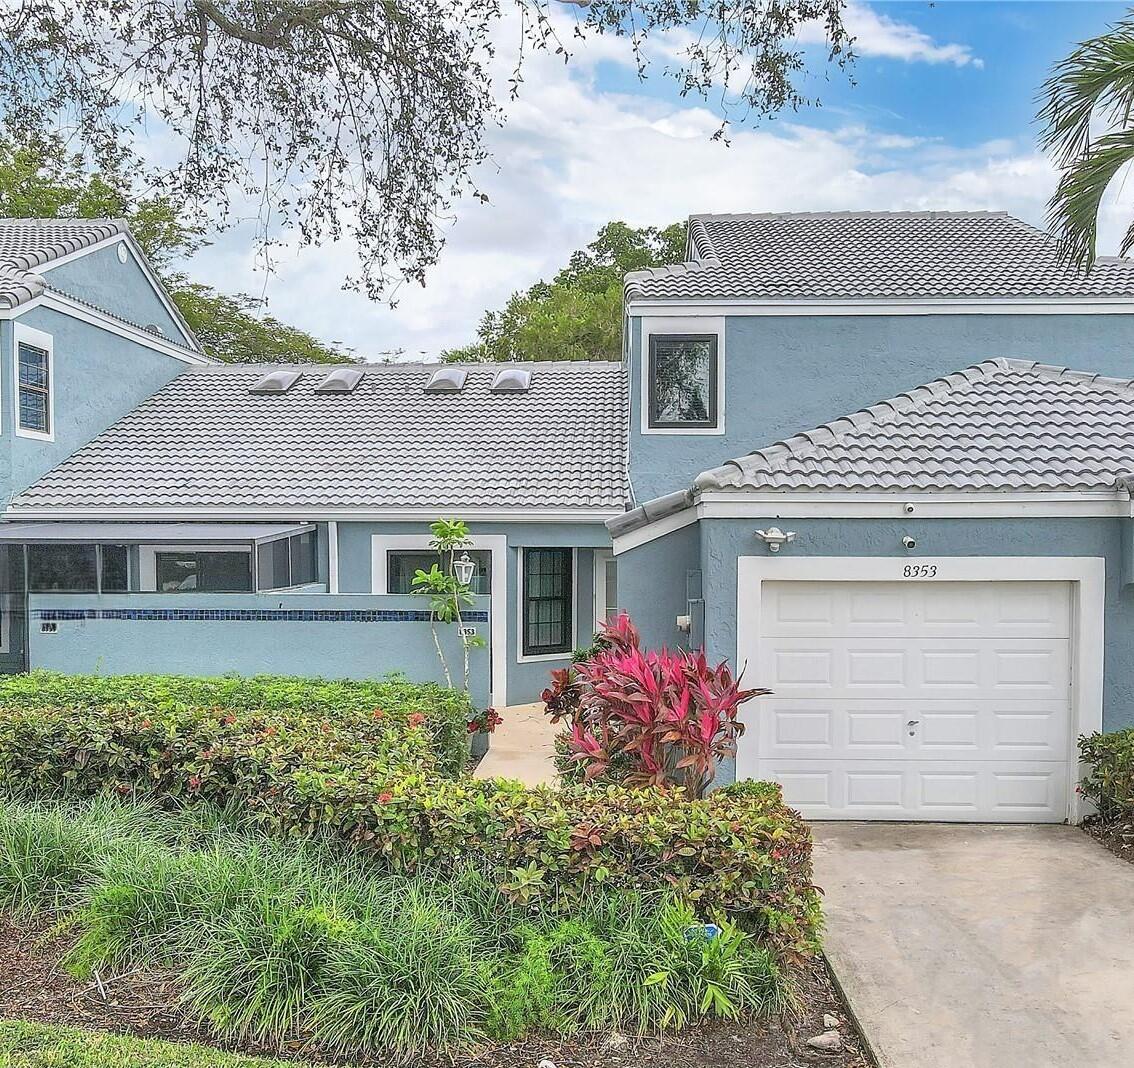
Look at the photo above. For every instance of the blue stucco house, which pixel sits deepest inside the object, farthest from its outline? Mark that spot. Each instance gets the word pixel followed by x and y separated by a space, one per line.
pixel 936 585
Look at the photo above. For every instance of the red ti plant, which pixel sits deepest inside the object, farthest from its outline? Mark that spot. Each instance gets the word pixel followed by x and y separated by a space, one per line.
pixel 666 715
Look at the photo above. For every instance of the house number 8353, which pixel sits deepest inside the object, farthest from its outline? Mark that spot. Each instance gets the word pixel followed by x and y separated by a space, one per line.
pixel 919 571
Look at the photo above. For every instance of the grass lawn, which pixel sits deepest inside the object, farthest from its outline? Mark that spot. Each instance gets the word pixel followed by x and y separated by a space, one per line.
pixel 30 1045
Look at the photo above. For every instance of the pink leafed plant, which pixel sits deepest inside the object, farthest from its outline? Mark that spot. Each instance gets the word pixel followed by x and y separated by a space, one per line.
pixel 665 715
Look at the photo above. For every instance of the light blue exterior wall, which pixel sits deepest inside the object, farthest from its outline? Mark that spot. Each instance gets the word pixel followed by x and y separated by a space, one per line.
pixel 525 678
pixel 653 586
pixel 334 648
pixel 98 378
pixel 785 374
pixel 123 289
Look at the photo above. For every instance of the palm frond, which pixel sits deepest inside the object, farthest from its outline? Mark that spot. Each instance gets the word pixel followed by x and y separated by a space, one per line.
pixel 1074 207
pixel 1095 83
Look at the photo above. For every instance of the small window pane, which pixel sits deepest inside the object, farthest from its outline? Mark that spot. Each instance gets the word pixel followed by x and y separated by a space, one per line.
pixel 401 564
pixel 188 571
pixel 547 624
pixel 115 568
pixel 683 374
pixel 34 388
pixel 62 569
pixel 611 584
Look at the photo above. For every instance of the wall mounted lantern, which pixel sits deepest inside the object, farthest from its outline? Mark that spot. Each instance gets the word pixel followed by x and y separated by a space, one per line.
pixel 465 569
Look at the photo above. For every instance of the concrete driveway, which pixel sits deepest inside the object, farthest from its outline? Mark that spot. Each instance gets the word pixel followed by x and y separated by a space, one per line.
pixel 979 946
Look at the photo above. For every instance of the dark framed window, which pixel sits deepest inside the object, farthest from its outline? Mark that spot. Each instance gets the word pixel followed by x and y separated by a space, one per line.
pixel 287 562
pixel 682 377
pixel 34 388
pixel 114 567
pixel 58 568
pixel 203 571
pixel 548 613
pixel 402 564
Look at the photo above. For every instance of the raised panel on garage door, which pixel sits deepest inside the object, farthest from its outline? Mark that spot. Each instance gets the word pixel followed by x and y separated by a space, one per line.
pixel 923 609
pixel 914 700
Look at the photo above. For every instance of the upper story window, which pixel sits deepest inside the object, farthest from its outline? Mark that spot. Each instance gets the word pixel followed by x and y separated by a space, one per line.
pixel 682 381
pixel 34 385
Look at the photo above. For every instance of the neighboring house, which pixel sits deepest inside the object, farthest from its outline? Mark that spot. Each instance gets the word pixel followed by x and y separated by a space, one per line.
pixel 937 587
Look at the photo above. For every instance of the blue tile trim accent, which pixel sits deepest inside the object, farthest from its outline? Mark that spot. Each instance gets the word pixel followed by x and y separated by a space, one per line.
pixel 246 615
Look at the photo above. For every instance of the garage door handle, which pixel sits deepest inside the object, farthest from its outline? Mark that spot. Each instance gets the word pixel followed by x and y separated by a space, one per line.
pixel 913 722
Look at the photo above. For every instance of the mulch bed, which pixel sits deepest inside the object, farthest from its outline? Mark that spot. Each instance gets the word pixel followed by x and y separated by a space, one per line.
pixel 1118 837
pixel 141 1002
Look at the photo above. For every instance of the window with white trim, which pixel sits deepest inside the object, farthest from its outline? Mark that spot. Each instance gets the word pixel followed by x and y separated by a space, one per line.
pixel 548 611
pixel 34 385
pixel 682 381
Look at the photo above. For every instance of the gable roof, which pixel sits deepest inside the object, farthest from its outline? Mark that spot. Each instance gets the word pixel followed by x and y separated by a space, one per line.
pixel 27 244
pixel 874 255
pixel 204 442
pixel 1002 425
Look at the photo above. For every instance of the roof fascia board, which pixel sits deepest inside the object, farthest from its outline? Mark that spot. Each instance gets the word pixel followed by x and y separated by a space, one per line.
pixel 62 303
pixel 151 277
pixel 820 505
pixel 944 306
pixel 519 515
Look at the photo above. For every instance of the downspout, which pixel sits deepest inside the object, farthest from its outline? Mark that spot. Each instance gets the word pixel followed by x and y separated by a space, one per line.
pixel 1124 484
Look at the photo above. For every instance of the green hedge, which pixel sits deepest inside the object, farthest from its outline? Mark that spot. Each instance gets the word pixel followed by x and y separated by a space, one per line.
pixel 345 704
pixel 32 1045
pixel 740 850
pixel 1110 781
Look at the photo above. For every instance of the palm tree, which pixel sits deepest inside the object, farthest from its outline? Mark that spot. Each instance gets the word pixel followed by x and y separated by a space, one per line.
pixel 1088 118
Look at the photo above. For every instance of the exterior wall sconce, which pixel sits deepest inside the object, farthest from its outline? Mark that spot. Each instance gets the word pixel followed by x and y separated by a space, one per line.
pixel 773 537
pixel 465 569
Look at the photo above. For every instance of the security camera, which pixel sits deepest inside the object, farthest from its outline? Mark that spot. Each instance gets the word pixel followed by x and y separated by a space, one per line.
pixel 907 508
pixel 908 542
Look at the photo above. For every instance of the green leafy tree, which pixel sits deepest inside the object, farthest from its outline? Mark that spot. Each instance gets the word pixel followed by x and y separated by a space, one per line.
pixel 42 180
pixel 1087 114
pixel 358 119
pixel 578 315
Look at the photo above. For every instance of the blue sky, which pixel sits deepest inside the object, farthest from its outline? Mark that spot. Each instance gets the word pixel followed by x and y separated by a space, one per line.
pixel 939 115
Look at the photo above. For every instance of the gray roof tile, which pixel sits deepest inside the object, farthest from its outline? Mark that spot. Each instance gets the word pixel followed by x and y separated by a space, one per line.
pixel 204 441
pixel 999 426
pixel 874 255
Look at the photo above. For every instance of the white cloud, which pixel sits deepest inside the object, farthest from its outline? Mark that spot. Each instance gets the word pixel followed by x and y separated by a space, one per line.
pixel 573 157
pixel 880 36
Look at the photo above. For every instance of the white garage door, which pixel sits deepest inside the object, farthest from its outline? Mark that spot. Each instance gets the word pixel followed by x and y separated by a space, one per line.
pixel 915 700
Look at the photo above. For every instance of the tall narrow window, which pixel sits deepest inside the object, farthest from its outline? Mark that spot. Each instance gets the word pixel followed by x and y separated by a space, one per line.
pixel 683 381
pixel 548 621
pixel 34 388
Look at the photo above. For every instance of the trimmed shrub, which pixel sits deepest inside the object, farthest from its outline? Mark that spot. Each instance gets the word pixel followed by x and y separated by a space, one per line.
pixel 1110 781
pixel 442 713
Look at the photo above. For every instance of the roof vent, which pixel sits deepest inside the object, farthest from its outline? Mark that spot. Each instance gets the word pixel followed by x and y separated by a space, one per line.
pixel 276 382
pixel 447 380
pixel 340 380
pixel 512 380
pixel 153 328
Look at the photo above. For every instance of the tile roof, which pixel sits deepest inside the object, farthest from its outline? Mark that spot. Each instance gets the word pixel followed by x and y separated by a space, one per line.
pixel 27 244
pixel 874 255
pixel 204 442
pixel 999 426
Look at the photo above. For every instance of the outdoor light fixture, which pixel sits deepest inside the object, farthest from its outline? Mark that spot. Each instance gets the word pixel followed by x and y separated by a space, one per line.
pixel 774 538
pixel 465 569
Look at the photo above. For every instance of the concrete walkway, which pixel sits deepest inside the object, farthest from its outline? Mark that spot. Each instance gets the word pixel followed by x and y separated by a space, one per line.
pixel 522 747
pixel 979 946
